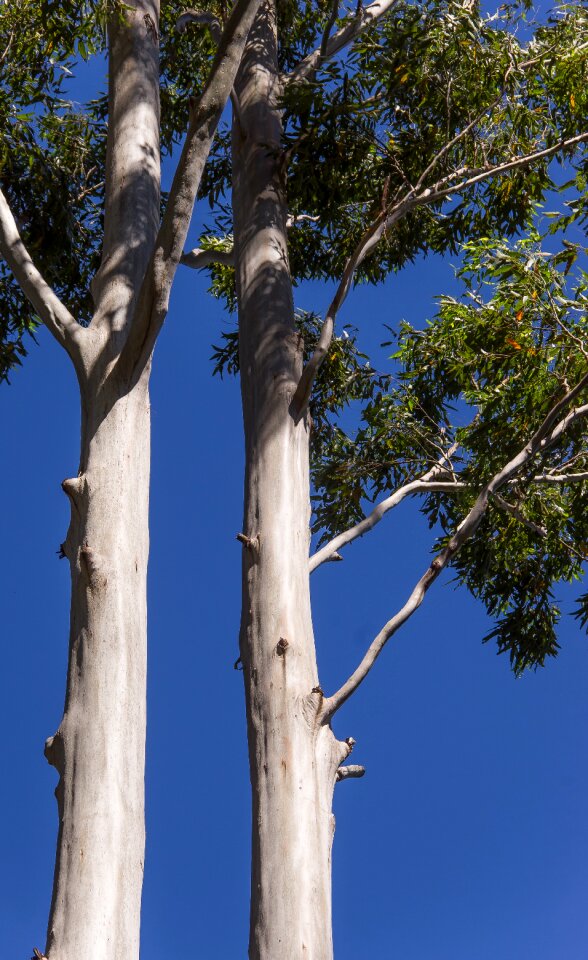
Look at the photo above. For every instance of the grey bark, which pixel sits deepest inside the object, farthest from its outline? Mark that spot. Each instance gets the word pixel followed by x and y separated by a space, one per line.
pixel 294 755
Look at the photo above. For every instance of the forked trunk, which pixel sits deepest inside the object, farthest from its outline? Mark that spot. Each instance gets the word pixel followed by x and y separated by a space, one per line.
pixel 293 754
pixel 99 748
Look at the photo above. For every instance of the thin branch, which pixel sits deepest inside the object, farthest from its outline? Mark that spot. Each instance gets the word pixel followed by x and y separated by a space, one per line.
pixel 203 18
pixel 153 299
pixel 422 485
pixel 53 313
pixel 439 192
pixel 366 244
pixel 518 514
pixel 548 433
pixel 330 24
pixel 349 32
pixel 198 258
pixel 463 178
pixel 214 25
pixel 561 478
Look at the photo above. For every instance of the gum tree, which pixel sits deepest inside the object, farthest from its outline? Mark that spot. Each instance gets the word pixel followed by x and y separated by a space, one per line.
pixel 359 139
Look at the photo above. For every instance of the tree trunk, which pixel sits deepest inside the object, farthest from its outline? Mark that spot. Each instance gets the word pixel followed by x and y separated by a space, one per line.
pixel 99 748
pixel 293 753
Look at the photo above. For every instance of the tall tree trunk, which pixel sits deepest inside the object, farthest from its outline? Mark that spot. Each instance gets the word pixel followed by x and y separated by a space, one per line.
pixel 293 754
pixel 99 748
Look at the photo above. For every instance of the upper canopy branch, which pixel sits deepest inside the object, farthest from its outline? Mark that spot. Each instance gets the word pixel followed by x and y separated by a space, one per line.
pixel 455 182
pixel 549 432
pixel 425 484
pixel 53 313
pixel 350 30
pixel 153 300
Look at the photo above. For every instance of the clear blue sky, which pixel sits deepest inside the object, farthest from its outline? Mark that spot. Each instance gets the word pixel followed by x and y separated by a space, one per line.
pixel 466 840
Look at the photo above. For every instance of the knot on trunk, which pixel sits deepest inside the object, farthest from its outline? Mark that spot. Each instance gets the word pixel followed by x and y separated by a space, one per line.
pixel 251 543
pixel 55 752
pixel 74 488
pixel 281 646
pixel 92 567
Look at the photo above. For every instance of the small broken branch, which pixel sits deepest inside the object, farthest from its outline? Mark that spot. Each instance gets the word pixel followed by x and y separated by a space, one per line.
pixel 353 771
pixel 198 258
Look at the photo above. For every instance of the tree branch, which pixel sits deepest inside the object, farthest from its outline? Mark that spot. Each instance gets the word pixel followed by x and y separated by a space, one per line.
pixel 561 478
pixel 198 258
pixel 424 484
pixel 153 300
pixel 518 514
pixel 49 307
pixel 456 182
pixel 349 32
pixel 548 433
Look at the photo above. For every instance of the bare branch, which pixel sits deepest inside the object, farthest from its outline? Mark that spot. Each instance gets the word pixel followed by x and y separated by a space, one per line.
pixel 368 241
pixel 422 485
pixel 472 176
pixel 453 183
pixel 153 300
pixel 203 18
pixel 198 258
pixel 548 433
pixel 561 478
pixel 49 307
pixel 349 32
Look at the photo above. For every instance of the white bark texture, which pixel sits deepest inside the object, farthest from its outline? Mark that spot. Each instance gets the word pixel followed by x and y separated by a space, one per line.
pixel 99 747
pixel 293 754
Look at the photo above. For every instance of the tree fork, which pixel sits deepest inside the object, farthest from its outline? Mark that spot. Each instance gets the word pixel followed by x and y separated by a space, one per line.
pixel 99 747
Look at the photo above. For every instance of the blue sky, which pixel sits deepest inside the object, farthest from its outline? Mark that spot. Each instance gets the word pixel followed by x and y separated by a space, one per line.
pixel 466 839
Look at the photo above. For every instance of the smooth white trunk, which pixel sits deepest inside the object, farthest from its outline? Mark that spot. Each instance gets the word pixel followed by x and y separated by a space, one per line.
pixel 99 748
pixel 293 755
